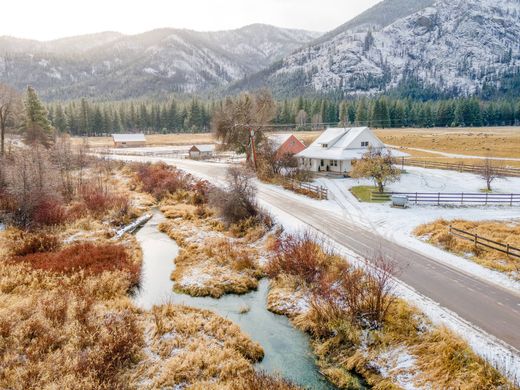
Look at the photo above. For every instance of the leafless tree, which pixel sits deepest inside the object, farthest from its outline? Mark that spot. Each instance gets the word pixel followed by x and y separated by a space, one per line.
pixel 10 107
pixel 301 118
pixel 240 122
pixel 489 172
pixel 316 121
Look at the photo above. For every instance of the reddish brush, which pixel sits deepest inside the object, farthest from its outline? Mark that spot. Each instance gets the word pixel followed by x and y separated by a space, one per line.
pixel 300 256
pixel 49 212
pixel 23 244
pixel 98 200
pixel 90 258
pixel 160 179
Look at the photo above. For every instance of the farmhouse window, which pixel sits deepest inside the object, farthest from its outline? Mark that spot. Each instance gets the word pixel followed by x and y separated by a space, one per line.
pixel 322 163
pixel 364 144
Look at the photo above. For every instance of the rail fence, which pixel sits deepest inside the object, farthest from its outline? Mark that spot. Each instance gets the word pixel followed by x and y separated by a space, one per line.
pixel 460 167
pixel 318 192
pixel 485 242
pixel 461 198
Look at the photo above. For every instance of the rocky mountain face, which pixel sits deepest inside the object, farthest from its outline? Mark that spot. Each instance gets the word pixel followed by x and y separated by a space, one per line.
pixel 154 63
pixel 458 47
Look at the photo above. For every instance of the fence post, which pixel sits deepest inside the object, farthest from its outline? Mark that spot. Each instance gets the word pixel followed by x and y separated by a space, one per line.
pixel 475 239
pixel 487 198
pixel 511 204
pixel 462 199
pixel 507 249
pixel 438 198
pixel 416 198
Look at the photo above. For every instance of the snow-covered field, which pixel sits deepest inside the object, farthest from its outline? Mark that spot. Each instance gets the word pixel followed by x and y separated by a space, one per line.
pixel 398 224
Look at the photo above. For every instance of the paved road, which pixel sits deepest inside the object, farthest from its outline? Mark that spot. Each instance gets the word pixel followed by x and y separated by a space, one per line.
pixel 492 308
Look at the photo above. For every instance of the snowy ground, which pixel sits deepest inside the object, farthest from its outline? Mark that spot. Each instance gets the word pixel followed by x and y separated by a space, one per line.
pixel 398 224
pixel 505 358
pixel 455 155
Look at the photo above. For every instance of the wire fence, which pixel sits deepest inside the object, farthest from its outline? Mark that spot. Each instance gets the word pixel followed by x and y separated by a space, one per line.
pixel 452 198
pixel 485 242
pixel 460 167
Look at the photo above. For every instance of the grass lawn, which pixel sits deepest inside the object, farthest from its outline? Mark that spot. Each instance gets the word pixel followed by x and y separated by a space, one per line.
pixel 362 193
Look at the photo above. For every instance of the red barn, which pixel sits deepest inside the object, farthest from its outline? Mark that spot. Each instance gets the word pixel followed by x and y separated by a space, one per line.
pixel 286 144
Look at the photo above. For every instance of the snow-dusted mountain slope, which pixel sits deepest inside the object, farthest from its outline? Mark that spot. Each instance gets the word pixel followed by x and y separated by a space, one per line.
pixel 153 63
pixel 451 45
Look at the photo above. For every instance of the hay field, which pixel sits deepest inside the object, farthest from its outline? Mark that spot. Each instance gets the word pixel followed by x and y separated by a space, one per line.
pixel 500 142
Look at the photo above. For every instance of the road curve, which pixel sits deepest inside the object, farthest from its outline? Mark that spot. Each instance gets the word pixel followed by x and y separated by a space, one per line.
pixel 494 309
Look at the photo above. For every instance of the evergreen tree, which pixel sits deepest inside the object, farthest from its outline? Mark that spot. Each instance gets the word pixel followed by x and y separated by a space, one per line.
pixel 37 128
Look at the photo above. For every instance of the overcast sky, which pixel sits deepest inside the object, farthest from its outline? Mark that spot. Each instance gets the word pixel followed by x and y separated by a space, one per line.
pixel 50 19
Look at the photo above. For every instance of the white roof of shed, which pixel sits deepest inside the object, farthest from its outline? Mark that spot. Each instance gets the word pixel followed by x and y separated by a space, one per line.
pixel 205 148
pixel 128 137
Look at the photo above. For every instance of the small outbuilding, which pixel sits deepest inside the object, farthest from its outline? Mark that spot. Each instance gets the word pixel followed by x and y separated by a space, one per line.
pixel 286 144
pixel 129 140
pixel 337 149
pixel 201 151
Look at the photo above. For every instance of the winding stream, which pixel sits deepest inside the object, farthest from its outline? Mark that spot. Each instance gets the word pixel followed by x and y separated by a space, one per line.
pixel 287 350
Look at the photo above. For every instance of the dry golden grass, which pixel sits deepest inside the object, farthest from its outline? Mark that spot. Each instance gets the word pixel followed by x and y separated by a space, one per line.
pixel 440 359
pixel 495 142
pixel 213 266
pixel 193 347
pixel 76 330
pixel 437 233
pixel 64 339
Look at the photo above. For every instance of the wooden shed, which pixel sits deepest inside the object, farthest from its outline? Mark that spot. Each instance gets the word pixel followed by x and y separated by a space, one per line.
pixel 129 140
pixel 201 151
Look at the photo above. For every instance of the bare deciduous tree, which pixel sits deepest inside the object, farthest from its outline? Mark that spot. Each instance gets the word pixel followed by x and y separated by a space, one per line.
pixel 301 118
pixel 241 121
pixel 489 172
pixel 10 107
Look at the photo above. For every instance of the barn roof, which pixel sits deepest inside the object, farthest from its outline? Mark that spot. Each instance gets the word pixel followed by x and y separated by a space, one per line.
pixel 128 138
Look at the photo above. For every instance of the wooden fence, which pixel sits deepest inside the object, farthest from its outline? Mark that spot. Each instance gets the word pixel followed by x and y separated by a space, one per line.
pixel 318 192
pixel 460 167
pixel 461 198
pixel 485 242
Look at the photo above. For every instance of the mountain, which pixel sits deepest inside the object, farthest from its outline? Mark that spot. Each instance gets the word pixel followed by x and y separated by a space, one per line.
pixel 455 47
pixel 155 63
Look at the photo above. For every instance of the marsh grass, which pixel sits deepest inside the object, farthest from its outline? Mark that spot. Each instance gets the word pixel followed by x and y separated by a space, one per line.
pixel 437 233
pixel 322 298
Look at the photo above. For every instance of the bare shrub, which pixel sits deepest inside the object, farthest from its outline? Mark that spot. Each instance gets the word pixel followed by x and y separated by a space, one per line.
pixel 237 202
pixel 364 294
pixel 49 211
pixel 300 255
pixel 98 200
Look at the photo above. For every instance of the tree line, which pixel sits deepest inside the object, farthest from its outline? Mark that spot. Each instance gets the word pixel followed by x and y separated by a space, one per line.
pixel 174 116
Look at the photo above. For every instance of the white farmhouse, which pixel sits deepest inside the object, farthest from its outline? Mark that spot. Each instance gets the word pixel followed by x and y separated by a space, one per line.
pixel 336 149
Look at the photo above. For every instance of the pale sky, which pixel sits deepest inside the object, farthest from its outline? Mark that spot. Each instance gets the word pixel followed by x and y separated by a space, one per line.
pixel 50 19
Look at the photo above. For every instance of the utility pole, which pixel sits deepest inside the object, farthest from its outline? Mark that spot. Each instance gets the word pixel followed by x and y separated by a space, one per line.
pixel 253 146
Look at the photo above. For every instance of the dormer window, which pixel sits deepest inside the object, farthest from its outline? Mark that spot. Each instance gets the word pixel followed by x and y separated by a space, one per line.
pixel 364 144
